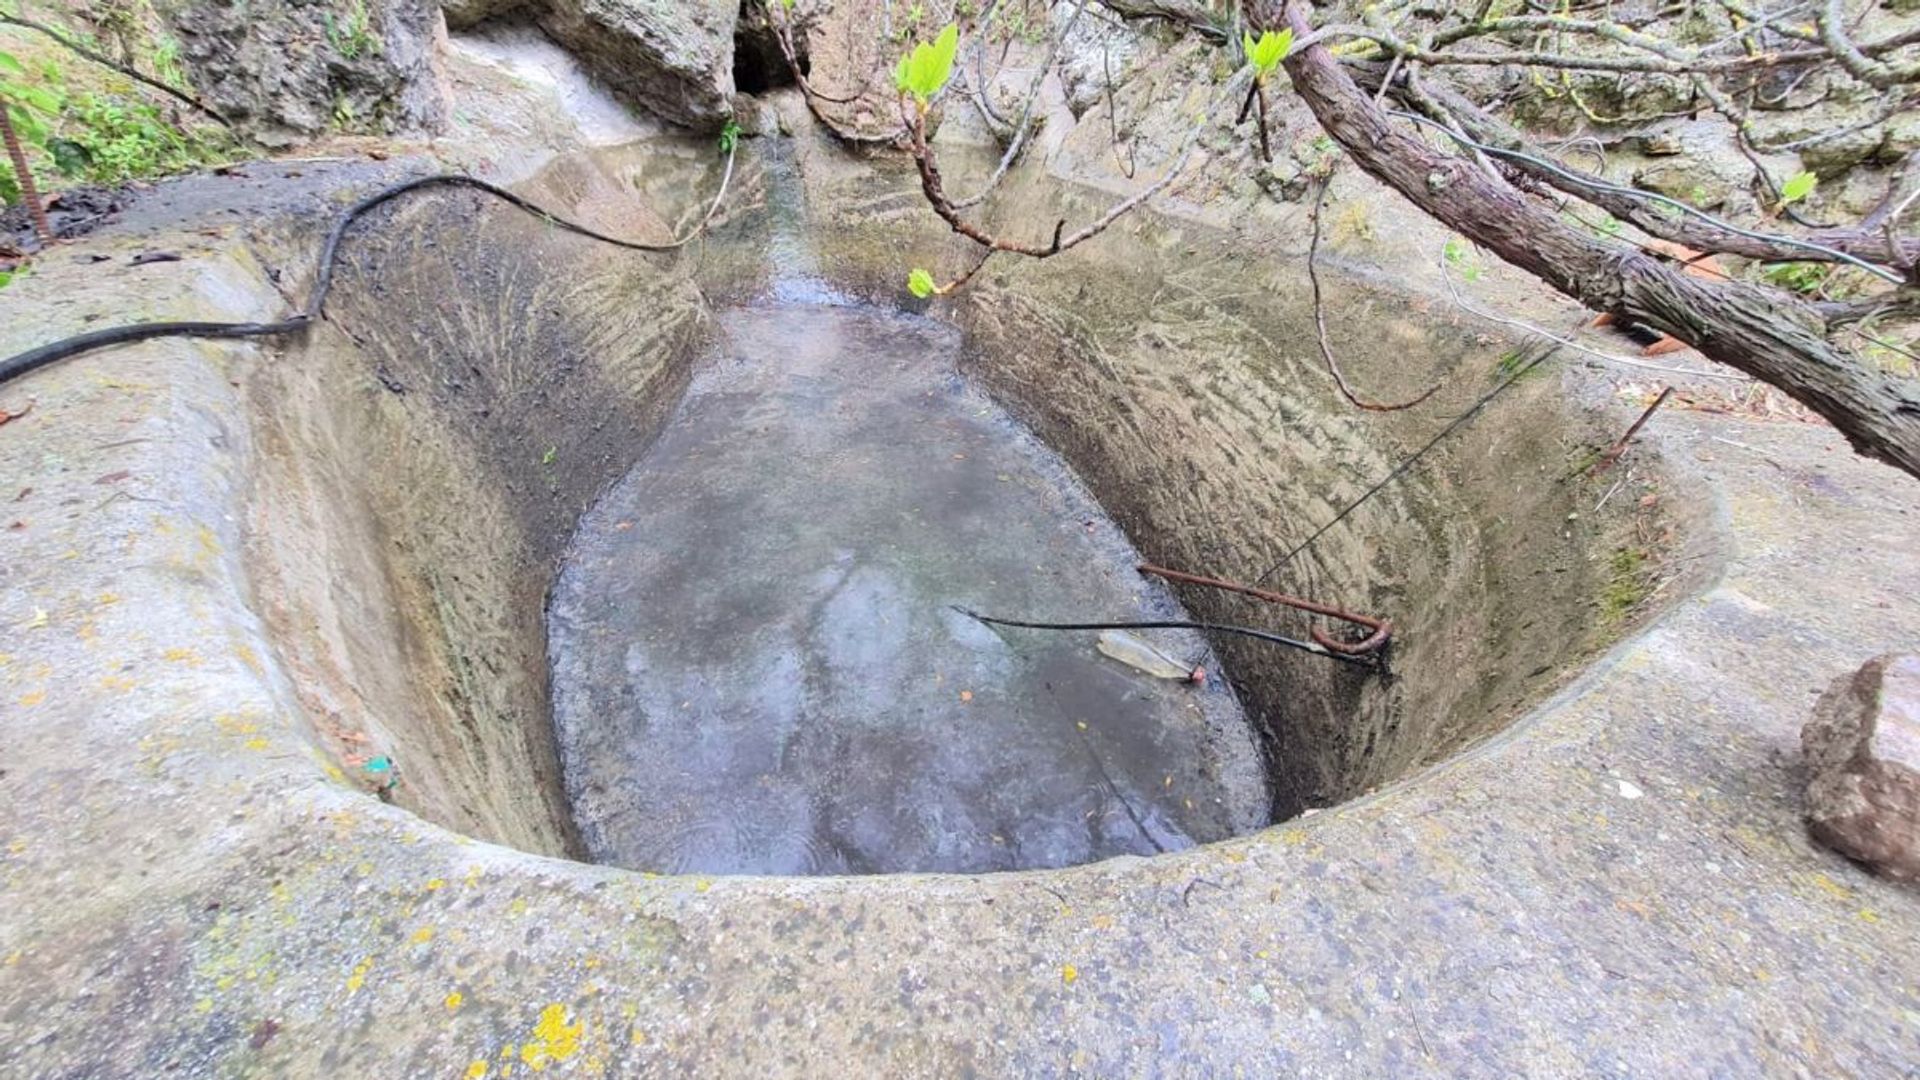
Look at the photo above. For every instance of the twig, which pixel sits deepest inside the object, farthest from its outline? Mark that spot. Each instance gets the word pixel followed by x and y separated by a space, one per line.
pixel 933 187
pixel 1320 320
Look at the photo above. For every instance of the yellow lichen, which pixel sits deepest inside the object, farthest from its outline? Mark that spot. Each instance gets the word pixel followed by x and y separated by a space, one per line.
pixel 359 977
pixel 1069 973
pixel 423 935
pixel 454 999
pixel 554 1039
pixel 477 1070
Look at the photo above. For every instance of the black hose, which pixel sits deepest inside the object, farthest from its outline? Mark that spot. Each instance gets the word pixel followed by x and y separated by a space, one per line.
pixel 1174 624
pixel 21 363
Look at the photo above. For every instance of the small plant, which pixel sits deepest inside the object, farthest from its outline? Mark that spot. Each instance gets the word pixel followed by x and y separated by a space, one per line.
pixel 920 283
pixel 1800 277
pixel 1512 363
pixel 924 72
pixel 1461 259
pixel 1797 187
pixel 1265 54
pixel 729 137
pixel 353 36
pixel 166 62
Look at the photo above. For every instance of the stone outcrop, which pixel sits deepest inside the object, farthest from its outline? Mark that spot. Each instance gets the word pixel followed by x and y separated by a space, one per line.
pixel 1863 747
pixel 285 73
pixel 675 59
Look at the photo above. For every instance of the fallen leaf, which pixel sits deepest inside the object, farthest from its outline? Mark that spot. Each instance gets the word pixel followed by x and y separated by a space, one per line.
pixel 966 695
pixel 8 415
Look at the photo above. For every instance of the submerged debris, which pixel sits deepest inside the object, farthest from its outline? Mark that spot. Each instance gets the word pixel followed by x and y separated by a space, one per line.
pixel 1138 653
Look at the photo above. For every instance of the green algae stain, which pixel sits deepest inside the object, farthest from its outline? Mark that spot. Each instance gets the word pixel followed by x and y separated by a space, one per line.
pixel 1627 585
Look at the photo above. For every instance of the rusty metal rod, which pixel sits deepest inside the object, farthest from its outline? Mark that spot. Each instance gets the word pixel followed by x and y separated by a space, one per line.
pixel 1620 448
pixel 1381 629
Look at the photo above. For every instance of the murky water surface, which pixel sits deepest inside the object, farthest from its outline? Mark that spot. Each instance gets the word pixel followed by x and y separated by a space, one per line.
pixel 757 667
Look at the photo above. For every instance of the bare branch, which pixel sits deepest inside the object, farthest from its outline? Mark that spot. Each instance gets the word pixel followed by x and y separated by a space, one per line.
pixel 1765 332
pixel 1320 320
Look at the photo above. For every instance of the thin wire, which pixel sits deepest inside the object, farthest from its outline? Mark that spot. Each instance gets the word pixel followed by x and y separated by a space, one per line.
pixel 1636 193
pixel 1546 351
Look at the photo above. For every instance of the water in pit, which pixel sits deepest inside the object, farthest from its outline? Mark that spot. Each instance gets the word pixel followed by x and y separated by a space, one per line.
pixel 757 667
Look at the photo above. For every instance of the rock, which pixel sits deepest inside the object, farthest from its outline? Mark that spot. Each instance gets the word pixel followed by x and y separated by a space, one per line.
pixel 1835 156
pixel 1685 180
pixel 1097 55
pixel 284 73
pixel 462 14
pixel 756 117
pixel 676 59
pixel 1691 160
pixel 1863 747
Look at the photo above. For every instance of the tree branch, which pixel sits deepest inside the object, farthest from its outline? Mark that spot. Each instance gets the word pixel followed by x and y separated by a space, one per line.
pixel 1764 332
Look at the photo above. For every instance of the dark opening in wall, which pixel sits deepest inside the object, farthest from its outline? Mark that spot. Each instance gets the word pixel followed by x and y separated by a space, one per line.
pixel 758 64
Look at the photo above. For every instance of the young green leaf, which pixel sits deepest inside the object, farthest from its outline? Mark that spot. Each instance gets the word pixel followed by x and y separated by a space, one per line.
pixel 925 70
pixel 1798 187
pixel 1266 53
pixel 920 283
pixel 11 65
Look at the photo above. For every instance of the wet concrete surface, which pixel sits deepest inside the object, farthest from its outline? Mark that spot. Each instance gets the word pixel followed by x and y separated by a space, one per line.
pixel 757 667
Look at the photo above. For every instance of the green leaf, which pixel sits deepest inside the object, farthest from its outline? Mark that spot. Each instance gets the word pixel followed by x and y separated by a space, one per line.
pixel 925 70
pixel 729 137
pixel 920 283
pixel 1266 53
pixel 11 65
pixel 1799 187
pixel 29 125
pixel 37 98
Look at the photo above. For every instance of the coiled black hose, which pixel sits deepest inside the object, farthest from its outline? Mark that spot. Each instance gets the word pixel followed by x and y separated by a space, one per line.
pixel 21 363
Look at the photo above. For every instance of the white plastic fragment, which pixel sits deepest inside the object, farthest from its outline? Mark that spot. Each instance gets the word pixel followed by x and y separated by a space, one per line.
pixel 1138 654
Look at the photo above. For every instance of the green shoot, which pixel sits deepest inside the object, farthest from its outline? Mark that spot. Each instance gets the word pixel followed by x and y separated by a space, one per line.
pixel 1266 53
pixel 925 70
pixel 920 283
